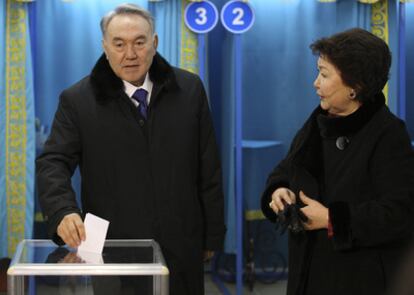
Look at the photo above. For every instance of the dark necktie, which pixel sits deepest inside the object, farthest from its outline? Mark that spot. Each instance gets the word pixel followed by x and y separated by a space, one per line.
pixel 140 95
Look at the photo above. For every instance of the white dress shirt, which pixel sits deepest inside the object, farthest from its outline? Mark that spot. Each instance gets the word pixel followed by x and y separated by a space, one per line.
pixel 130 89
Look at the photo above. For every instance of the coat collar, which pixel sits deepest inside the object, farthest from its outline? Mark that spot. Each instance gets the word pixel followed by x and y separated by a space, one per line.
pixel 307 152
pixel 330 127
pixel 108 86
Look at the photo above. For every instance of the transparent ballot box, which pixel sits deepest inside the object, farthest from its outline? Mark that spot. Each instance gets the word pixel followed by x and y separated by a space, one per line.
pixel 125 267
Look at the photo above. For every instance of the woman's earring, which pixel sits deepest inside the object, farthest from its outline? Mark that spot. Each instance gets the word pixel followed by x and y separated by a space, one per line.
pixel 352 95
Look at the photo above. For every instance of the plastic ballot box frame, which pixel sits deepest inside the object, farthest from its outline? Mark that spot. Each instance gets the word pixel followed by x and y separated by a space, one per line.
pixel 126 259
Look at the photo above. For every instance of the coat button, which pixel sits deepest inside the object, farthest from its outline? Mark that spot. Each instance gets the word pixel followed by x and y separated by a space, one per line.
pixel 141 122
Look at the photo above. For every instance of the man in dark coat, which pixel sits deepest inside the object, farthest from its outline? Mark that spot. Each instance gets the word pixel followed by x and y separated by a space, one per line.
pixel 150 166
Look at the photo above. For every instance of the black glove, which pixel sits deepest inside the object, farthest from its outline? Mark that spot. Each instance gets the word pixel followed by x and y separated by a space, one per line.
pixel 291 218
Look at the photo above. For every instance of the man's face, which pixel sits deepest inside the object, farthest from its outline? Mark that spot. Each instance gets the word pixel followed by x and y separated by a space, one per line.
pixel 130 46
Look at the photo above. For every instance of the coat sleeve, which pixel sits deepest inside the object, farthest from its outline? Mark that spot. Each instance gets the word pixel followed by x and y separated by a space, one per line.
pixel 389 215
pixel 279 177
pixel 55 167
pixel 210 179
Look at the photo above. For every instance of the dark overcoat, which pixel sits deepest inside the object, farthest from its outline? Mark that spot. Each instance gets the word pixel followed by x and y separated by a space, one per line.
pixel 369 191
pixel 156 179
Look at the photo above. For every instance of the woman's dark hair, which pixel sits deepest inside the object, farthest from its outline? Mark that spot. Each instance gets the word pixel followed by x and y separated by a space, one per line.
pixel 362 59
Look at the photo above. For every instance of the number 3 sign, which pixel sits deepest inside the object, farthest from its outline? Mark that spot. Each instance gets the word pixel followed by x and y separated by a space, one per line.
pixel 201 17
pixel 237 16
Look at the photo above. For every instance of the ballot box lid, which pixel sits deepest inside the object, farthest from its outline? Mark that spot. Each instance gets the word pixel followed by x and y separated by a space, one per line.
pixel 119 257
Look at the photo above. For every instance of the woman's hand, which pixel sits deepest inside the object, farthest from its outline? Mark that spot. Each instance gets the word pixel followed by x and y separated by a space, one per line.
pixel 317 214
pixel 280 197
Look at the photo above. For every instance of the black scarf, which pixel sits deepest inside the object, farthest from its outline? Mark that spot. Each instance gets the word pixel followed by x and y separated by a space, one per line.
pixel 308 153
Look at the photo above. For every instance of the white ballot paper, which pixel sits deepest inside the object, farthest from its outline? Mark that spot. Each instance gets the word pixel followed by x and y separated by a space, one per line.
pixel 95 229
pixel 90 257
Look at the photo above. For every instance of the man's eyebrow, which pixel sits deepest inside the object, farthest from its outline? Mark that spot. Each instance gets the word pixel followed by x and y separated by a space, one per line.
pixel 141 37
pixel 122 39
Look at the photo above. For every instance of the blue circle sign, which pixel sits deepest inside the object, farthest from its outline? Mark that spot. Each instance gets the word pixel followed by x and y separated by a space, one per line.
pixel 201 17
pixel 237 16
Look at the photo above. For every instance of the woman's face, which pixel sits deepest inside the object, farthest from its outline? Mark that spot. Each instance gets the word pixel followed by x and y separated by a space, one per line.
pixel 334 94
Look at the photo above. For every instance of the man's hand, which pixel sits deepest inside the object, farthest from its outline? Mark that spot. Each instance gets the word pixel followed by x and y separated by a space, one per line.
pixel 71 230
pixel 316 213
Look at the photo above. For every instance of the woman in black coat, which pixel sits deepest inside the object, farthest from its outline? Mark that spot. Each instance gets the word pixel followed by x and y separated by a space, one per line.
pixel 345 190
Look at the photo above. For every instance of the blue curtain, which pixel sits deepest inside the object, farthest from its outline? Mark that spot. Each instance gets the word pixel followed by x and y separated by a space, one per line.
pixel 277 49
pixel 30 134
pixel 393 82
pixel 3 203
pixel 167 16
pixel 278 74
pixel 409 39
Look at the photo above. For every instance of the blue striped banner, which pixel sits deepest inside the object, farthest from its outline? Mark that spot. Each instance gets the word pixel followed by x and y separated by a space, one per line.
pixel 19 134
pixel 379 27
pixel 189 59
pixel 3 208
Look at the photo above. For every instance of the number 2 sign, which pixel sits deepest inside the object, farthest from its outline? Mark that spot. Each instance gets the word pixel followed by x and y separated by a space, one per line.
pixel 237 16
pixel 201 17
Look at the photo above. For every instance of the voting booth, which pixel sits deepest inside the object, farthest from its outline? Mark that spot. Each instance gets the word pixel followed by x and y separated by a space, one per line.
pixel 124 267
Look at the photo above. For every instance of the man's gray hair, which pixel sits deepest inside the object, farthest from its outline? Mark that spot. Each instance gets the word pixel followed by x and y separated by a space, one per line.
pixel 127 8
